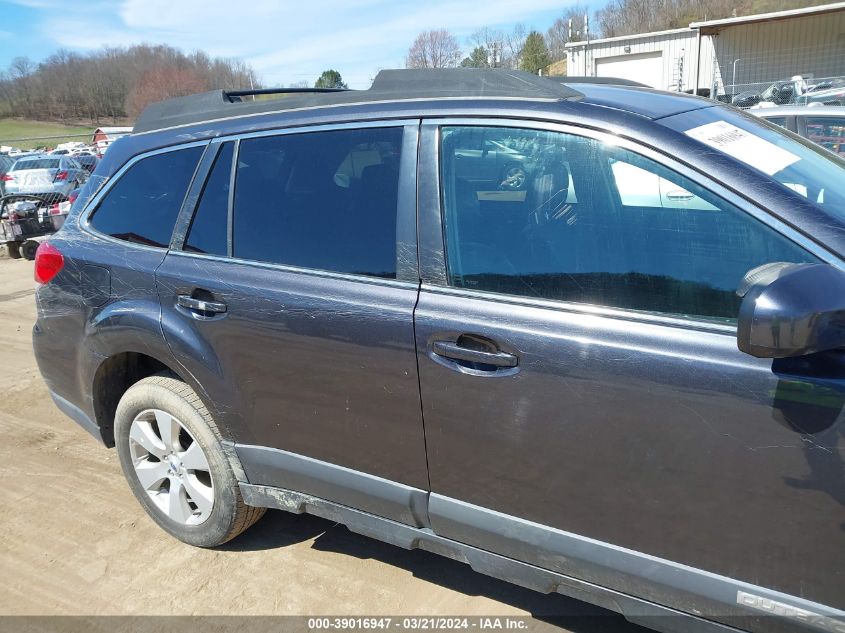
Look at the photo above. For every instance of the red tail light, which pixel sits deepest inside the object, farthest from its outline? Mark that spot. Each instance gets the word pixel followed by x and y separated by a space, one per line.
pixel 62 175
pixel 73 196
pixel 7 177
pixel 48 262
pixel 54 209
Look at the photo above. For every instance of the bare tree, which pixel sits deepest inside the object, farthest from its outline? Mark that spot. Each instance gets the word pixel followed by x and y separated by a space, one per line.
pixel 625 17
pixel 514 42
pixel 434 49
pixel 163 83
pixel 112 82
pixel 492 41
pixel 21 67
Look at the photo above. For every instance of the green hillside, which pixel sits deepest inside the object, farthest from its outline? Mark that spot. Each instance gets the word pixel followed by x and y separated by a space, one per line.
pixel 11 129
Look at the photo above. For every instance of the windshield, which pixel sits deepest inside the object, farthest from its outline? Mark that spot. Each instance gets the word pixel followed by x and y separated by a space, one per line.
pixel 769 92
pixel 795 163
pixel 41 163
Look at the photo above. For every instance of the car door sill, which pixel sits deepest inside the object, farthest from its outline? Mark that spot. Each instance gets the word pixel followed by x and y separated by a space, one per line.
pixel 352 488
pixel 635 610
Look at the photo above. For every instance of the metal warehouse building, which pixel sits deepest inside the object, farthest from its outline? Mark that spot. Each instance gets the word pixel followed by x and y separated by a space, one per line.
pixel 723 56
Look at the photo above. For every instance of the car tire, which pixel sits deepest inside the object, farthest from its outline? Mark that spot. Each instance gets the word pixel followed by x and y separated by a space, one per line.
pixel 197 502
pixel 13 249
pixel 28 250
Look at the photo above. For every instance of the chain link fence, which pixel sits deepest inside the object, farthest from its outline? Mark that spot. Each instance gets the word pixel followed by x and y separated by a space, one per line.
pixel 766 67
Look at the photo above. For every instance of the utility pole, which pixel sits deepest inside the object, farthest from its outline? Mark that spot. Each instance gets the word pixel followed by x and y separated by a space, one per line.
pixel 587 39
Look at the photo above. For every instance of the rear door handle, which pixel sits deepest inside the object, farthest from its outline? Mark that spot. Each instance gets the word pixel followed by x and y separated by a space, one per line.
pixel 453 351
pixel 198 305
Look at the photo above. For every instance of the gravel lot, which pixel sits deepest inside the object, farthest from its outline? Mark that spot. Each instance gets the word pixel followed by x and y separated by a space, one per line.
pixel 75 542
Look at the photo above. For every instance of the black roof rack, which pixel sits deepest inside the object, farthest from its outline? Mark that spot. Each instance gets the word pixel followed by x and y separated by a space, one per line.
pixel 389 85
pixel 232 94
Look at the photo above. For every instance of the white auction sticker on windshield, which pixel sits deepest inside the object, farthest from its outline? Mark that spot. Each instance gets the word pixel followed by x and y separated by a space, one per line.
pixel 750 149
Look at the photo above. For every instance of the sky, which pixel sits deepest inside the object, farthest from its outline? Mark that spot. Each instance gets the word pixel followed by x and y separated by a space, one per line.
pixel 284 41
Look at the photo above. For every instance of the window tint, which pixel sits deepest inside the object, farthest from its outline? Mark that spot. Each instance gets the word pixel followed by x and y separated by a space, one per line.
pixel 596 224
pixel 38 163
pixel 209 226
pixel 324 200
pixel 142 206
pixel 828 132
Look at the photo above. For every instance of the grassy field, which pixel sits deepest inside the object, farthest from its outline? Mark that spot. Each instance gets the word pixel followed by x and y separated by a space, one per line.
pixel 11 129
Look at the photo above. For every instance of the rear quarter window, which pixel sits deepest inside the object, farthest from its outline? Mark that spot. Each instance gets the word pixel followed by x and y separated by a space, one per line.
pixel 44 163
pixel 143 204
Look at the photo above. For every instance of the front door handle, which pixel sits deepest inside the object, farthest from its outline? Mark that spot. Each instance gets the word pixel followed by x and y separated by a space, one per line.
pixel 679 194
pixel 198 305
pixel 453 351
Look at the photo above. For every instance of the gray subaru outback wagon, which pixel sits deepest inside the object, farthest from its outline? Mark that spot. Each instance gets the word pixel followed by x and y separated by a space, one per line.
pixel 585 337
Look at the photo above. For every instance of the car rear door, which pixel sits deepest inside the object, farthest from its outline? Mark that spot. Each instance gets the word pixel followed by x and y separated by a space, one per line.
pixel 586 407
pixel 290 297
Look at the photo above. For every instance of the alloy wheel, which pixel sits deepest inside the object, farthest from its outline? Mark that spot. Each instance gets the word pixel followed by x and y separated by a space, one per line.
pixel 171 467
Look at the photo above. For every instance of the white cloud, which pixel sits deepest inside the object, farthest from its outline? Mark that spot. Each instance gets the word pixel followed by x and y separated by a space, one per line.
pixel 285 41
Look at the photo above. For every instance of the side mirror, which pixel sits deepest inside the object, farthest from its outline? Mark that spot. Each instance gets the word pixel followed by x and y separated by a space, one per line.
pixel 791 310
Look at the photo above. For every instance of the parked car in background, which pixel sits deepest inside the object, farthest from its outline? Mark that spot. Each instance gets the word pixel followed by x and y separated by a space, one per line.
pixel 487 160
pixel 87 160
pixel 797 90
pixel 824 125
pixel 6 163
pixel 779 93
pixel 45 175
pixel 830 93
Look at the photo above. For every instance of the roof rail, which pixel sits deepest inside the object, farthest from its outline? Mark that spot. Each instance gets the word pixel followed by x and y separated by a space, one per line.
pixel 278 91
pixel 389 85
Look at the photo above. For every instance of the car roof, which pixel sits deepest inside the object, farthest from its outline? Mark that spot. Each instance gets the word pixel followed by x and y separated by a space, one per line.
pixel 30 157
pixel 798 111
pixel 389 85
pixel 438 88
pixel 647 102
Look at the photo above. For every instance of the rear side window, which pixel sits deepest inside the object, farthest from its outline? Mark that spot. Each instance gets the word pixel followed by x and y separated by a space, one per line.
pixel 142 206
pixel 42 163
pixel 323 200
pixel 209 226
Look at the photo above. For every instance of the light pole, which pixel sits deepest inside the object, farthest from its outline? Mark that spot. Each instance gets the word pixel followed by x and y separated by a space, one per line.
pixel 733 78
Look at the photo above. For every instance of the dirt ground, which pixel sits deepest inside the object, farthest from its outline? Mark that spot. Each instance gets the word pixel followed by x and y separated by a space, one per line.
pixel 73 540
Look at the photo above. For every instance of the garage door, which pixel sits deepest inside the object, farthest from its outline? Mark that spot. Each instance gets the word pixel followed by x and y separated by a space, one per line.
pixel 646 68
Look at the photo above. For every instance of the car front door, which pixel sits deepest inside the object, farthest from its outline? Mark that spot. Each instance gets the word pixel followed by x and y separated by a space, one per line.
pixel 586 407
pixel 288 300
